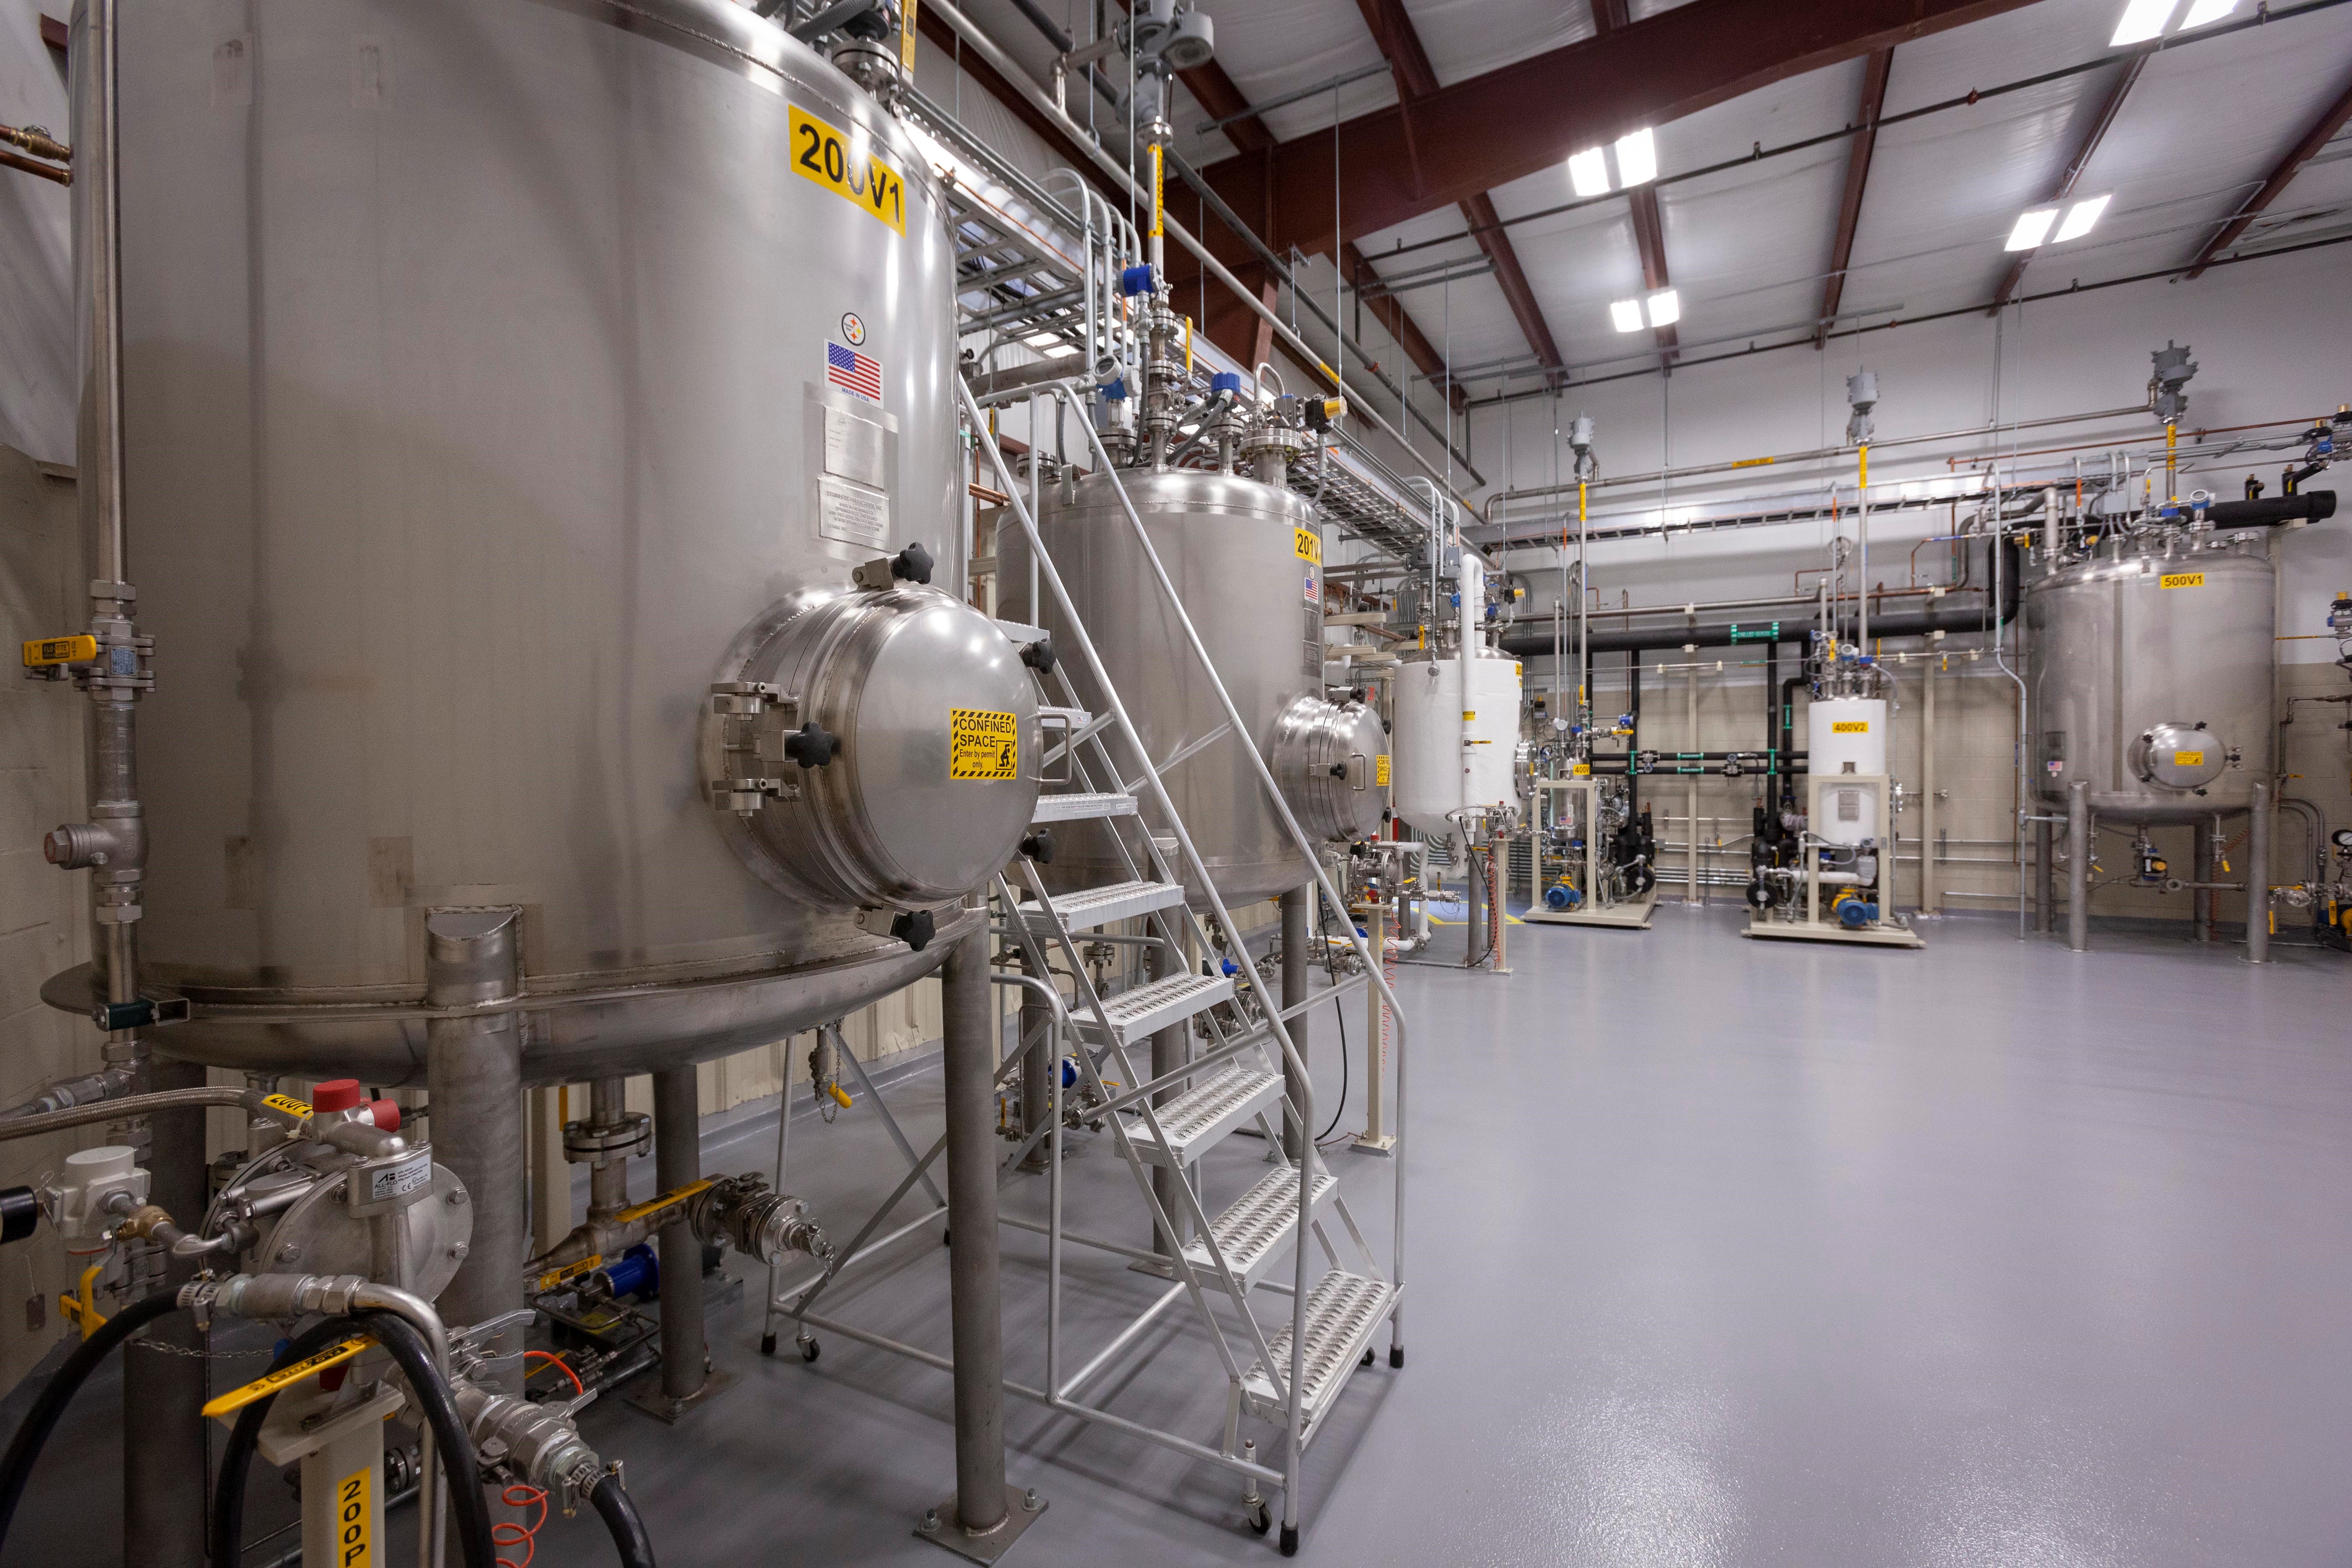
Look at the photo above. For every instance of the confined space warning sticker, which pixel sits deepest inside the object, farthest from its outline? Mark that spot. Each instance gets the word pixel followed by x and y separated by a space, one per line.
pixel 2187 759
pixel 983 745
pixel 2181 580
pixel 1851 727
pixel 1381 771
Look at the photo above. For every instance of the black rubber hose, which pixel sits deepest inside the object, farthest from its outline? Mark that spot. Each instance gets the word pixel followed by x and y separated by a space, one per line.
pixel 25 1448
pixel 237 1460
pixel 620 1516
pixel 451 1441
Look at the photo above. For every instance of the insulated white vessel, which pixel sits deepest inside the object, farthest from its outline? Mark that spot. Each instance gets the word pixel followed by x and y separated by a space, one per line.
pixel 1453 750
pixel 1845 735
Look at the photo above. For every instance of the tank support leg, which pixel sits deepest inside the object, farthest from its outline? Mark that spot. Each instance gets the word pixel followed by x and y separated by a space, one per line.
pixel 2258 879
pixel 2078 866
pixel 474 1071
pixel 1298 906
pixel 163 1491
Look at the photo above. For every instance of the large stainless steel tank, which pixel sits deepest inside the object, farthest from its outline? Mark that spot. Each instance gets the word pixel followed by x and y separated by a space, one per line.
pixel 2149 673
pixel 503 377
pixel 1246 561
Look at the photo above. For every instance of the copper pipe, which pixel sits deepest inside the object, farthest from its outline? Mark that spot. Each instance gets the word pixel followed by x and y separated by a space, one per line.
pixel 32 166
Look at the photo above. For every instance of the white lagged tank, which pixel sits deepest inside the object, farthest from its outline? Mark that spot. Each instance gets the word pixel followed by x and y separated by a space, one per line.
pixel 1457 722
pixel 1846 735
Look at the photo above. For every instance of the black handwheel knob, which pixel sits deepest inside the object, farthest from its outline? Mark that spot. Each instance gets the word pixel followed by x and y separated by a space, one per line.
pixel 1040 656
pixel 1039 846
pixel 912 564
pixel 1338 770
pixel 916 929
pixel 812 745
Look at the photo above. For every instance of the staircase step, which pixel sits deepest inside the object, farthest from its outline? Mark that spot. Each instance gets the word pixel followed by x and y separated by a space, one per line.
pixel 1197 1119
pixel 1076 717
pixel 1343 1312
pixel 1017 632
pixel 1098 907
pixel 1252 1233
pixel 1080 807
pixel 1145 1010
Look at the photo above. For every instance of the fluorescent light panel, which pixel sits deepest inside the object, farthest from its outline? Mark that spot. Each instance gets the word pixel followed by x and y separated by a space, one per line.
pixel 1627 314
pixel 2032 228
pixel 2203 11
pixel 1588 172
pixel 1637 159
pixel 2079 219
pixel 2142 20
pixel 1666 308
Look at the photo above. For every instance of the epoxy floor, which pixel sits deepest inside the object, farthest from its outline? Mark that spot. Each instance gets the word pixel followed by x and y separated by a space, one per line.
pixel 1722 1253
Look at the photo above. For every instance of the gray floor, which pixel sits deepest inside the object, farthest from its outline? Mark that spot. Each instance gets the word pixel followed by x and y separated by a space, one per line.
pixel 1723 1253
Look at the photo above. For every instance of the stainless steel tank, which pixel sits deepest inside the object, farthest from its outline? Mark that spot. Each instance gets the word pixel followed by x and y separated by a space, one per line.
pixel 512 390
pixel 1246 561
pixel 2149 675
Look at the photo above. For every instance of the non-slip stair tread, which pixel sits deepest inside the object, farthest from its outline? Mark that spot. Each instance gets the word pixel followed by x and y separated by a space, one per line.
pixel 1343 1311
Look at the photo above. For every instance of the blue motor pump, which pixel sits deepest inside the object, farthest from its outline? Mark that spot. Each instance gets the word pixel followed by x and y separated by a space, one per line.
pixel 1560 896
pixel 1856 913
pixel 636 1272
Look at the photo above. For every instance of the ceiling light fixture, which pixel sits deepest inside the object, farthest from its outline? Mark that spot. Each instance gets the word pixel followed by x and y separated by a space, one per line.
pixel 2079 219
pixel 2031 229
pixel 1666 308
pixel 2203 11
pixel 1588 172
pixel 2142 20
pixel 1627 314
pixel 1637 159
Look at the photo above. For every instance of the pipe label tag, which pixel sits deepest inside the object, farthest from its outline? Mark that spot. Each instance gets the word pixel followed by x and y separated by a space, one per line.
pixel 287 1104
pixel 353 1547
pixel 845 166
pixel 2181 580
pixel 983 745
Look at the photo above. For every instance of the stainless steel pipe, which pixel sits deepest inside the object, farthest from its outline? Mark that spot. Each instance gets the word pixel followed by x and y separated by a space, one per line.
pixel 969 1052
pixel 474 1075
pixel 2078 866
pixel 1040 1048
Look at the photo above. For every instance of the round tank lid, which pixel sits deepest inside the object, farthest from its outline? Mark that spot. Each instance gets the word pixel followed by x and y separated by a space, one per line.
pixel 337 1094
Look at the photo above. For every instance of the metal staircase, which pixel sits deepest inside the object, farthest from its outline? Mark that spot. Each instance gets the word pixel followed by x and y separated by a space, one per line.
pixel 1289 1371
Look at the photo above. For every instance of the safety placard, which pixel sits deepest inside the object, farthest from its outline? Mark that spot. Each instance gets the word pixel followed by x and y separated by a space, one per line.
pixel 354 1525
pixel 983 745
pixel 847 167
pixel 2187 759
pixel 1381 770
pixel 2181 580
pixel 1850 727
pixel 1308 544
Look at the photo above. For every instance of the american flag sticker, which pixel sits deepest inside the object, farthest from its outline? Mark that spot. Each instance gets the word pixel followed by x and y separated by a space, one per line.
pixel 1314 585
pixel 853 372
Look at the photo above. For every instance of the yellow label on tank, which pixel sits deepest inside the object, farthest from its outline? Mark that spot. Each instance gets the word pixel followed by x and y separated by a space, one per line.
pixel 1851 727
pixel 846 166
pixel 286 1377
pixel 2181 580
pixel 1584 770
pixel 286 1103
pixel 1469 717
pixel 2187 759
pixel 1381 770
pixel 983 745
pixel 353 1547
pixel 1306 544
pixel 907 34
pixel 59 650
